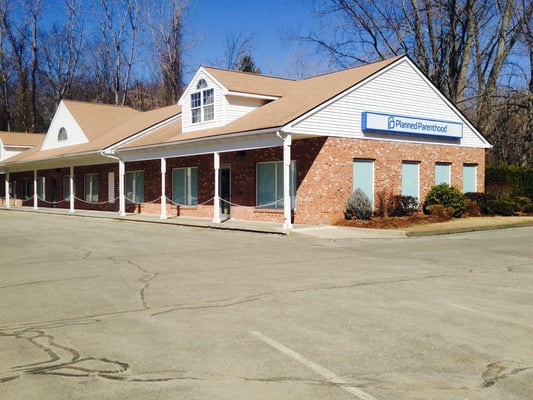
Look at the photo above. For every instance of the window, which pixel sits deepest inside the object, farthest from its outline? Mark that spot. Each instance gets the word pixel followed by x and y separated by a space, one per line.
pixel 202 103
pixel 469 178
pixel 410 178
pixel 363 177
pixel 66 187
pixel 91 188
pixel 41 184
pixel 270 184
pixel 62 134
pixel 442 173
pixel 185 186
pixel 135 187
pixel 27 188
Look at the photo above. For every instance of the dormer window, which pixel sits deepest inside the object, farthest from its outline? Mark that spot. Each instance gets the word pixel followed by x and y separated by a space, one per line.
pixel 62 135
pixel 202 103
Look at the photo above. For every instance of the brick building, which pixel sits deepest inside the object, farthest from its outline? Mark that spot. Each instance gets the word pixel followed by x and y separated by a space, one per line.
pixel 255 148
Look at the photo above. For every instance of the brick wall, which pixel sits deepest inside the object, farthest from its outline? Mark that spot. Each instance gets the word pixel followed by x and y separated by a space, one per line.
pixel 324 178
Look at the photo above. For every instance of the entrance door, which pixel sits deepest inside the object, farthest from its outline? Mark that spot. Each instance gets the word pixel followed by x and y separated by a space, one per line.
pixel 225 192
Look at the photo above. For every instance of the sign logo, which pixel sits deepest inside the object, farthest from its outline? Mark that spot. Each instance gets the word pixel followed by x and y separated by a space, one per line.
pixel 391 123
pixel 376 122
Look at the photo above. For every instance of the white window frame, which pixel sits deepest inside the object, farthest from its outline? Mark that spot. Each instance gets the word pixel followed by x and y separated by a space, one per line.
pixel 417 163
pixel 449 167
pixel 202 103
pixel 355 176
pixel 41 188
pixel 134 175
pixel 466 166
pixel 190 200
pixel 90 196
pixel 278 196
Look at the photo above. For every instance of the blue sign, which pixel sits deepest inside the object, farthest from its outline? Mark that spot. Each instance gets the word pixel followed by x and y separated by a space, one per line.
pixel 377 122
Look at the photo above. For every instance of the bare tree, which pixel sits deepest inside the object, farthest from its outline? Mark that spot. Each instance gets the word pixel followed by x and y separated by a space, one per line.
pixel 238 46
pixel 119 25
pixel 463 46
pixel 62 48
pixel 167 35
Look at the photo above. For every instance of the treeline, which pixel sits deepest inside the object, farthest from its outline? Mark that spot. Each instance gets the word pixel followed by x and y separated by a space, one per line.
pixel 121 52
pixel 479 53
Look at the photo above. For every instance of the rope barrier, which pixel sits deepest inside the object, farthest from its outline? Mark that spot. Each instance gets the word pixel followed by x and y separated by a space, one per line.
pixel 258 206
pixel 96 202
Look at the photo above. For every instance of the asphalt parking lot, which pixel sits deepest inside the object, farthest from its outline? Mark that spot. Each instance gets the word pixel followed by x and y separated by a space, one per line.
pixel 106 309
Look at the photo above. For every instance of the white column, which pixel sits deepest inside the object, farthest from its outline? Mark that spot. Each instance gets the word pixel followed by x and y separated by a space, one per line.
pixel 287 220
pixel 35 197
pixel 216 200
pixel 71 194
pixel 7 190
pixel 163 191
pixel 121 198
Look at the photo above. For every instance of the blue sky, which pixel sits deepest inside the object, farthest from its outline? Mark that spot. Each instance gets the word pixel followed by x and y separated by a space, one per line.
pixel 270 22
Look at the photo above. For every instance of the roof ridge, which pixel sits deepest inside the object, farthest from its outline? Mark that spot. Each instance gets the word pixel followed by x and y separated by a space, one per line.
pixel 385 61
pixel 248 73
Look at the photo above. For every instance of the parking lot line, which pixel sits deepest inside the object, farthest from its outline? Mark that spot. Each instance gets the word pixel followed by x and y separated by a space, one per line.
pixel 324 372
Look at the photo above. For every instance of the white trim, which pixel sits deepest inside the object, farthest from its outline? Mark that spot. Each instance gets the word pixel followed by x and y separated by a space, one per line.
pixel 194 80
pixel 289 127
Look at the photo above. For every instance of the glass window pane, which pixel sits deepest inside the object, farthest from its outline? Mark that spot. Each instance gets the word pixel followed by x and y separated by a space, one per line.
pixel 195 100
pixel 469 178
pixel 209 113
pixel 266 185
pixel 208 96
pixel 410 179
pixel 279 185
pixel 442 173
pixel 178 186
pixel 363 177
pixel 139 187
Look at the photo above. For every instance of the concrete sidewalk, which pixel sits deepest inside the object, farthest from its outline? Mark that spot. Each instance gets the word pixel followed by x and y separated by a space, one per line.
pixel 319 231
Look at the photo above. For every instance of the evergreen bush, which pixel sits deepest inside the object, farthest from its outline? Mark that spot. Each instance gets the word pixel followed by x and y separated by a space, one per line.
pixel 359 205
pixel 448 197
pixel 503 207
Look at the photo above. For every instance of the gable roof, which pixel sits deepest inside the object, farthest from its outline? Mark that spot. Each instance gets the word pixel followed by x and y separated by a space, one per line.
pixel 249 83
pixel 19 139
pixel 298 98
pixel 102 127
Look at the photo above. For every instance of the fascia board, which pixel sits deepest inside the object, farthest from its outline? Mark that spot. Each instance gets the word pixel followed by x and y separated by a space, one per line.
pixel 195 79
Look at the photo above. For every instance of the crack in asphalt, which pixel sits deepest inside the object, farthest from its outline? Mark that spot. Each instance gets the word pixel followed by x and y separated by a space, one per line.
pixel 144 280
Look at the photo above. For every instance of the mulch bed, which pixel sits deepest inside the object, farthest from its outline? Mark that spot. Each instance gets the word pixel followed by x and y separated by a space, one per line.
pixel 392 222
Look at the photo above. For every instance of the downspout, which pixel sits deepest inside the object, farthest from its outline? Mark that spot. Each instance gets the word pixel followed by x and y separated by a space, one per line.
pixel 121 174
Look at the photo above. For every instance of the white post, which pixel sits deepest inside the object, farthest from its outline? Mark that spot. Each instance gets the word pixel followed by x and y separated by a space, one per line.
pixel 71 194
pixel 35 196
pixel 287 220
pixel 163 191
pixel 7 190
pixel 122 198
pixel 216 200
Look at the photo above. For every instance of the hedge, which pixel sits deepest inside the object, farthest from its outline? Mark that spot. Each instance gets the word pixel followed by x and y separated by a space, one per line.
pixel 509 181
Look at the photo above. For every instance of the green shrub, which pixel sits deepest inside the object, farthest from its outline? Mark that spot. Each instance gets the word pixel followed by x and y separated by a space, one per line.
pixel 403 205
pixel 448 197
pixel 505 207
pixel 359 205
